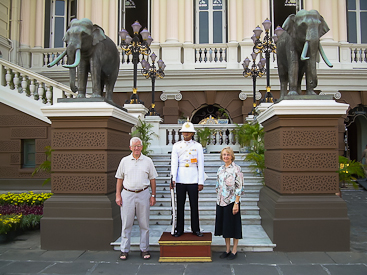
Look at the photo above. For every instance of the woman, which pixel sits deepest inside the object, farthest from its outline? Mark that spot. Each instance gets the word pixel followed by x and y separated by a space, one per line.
pixel 229 189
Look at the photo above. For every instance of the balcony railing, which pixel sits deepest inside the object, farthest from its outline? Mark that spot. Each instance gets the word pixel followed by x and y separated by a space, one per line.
pixel 198 56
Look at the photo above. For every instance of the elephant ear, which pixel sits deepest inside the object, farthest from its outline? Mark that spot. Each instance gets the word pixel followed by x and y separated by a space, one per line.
pixel 323 28
pixel 288 24
pixel 98 34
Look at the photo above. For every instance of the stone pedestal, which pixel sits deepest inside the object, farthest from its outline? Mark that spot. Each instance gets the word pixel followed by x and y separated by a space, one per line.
pixel 298 206
pixel 89 139
pixel 186 248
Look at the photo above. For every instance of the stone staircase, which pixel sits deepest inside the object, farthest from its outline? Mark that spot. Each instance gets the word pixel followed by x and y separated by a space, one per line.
pixel 254 237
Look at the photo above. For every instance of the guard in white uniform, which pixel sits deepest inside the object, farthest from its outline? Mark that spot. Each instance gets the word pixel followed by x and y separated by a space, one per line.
pixel 187 170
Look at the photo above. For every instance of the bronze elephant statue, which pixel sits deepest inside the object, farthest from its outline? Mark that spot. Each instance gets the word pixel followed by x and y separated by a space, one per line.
pixel 298 48
pixel 89 49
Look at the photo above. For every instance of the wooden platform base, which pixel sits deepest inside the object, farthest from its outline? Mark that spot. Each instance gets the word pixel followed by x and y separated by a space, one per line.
pixel 186 248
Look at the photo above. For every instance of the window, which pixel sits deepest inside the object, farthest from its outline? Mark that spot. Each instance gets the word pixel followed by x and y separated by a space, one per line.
pixel 131 11
pixel 281 9
pixel 357 21
pixel 29 153
pixel 210 21
pixel 57 21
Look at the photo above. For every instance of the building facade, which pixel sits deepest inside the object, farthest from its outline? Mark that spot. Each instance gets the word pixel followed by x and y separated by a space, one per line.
pixel 203 44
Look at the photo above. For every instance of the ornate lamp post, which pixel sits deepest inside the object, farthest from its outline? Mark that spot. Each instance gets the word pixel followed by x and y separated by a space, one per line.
pixel 266 46
pixel 152 72
pixel 256 70
pixel 133 45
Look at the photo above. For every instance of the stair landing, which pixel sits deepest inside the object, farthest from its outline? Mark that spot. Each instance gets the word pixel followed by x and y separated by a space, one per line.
pixel 254 238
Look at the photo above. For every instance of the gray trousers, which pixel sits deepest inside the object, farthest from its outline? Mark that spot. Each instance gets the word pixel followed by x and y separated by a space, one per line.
pixel 135 204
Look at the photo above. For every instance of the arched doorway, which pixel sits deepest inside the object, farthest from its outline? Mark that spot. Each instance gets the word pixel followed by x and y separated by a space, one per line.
pixel 204 111
pixel 356 124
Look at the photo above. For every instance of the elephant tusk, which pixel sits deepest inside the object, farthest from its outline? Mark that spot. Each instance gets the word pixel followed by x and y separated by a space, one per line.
pixel 77 60
pixel 53 63
pixel 323 55
pixel 304 52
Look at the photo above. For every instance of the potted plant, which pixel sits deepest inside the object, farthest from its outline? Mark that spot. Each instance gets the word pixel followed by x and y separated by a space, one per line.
pixel 204 136
pixel 247 135
pixel 223 117
pixel 349 171
pixel 253 137
pixel 182 119
pixel 143 131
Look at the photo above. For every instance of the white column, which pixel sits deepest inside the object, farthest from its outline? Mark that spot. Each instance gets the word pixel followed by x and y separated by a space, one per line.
pixel 342 20
pixel 15 29
pixel 248 25
pixel 342 35
pixel 249 21
pixel 172 21
pixel 171 48
pixel 232 20
pixel 189 51
pixel 96 12
pixel 39 24
pixel 327 12
pixel 188 21
pixel 155 21
pixel 232 28
pixel 113 24
pixel 265 11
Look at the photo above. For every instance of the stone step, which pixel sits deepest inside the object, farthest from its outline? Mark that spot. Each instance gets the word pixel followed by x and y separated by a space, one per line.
pixel 254 238
pixel 204 210
pixel 204 219
pixel 211 201
pixel 211 185
pixel 208 193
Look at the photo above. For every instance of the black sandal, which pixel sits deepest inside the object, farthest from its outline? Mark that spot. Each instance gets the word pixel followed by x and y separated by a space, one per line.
pixel 224 255
pixel 123 254
pixel 143 255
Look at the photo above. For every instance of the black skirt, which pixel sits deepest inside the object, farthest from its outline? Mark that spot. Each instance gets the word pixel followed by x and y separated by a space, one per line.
pixel 227 224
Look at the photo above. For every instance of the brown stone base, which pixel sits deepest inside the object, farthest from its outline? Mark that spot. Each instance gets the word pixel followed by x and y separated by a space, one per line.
pixel 186 248
pixel 80 222
pixel 305 222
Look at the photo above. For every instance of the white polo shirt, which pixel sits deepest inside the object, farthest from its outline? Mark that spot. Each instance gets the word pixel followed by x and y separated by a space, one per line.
pixel 187 162
pixel 136 173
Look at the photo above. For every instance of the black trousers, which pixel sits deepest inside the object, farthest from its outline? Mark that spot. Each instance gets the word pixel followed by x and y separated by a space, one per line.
pixel 192 190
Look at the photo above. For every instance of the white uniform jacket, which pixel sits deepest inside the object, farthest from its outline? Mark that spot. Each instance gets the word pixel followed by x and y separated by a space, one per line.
pixel 187 162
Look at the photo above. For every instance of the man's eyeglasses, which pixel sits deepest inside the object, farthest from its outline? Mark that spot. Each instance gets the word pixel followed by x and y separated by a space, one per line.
pixel 136 146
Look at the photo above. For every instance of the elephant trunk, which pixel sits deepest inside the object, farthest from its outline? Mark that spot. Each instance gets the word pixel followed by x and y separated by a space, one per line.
pixel 323 55
pixel 304 52
pixel 53 63
pixel 77 60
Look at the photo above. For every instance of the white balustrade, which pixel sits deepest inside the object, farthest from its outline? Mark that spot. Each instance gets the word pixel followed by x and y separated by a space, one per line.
pixel 222 136
pixel 27 82
pixel 198 56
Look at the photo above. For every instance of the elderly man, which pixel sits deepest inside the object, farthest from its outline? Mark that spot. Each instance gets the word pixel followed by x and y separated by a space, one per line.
pixel 134 175
pixel 187 169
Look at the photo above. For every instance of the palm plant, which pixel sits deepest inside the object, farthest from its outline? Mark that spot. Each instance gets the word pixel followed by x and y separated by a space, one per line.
pixel 252 136
pixel 248 134
pixel 143 131
pixel 204 135
pixel 349 170
pixel 46 165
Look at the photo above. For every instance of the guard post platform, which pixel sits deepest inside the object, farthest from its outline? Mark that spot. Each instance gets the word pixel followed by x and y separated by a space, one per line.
pixel 186 248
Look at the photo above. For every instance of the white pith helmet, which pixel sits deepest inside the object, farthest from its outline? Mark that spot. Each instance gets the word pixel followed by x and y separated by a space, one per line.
pixel 188 127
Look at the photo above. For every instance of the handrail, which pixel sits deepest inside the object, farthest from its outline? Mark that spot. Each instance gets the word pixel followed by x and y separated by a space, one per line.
pixel 37 76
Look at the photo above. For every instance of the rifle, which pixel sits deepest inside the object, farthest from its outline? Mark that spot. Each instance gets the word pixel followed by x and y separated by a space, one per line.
pixel 173 207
